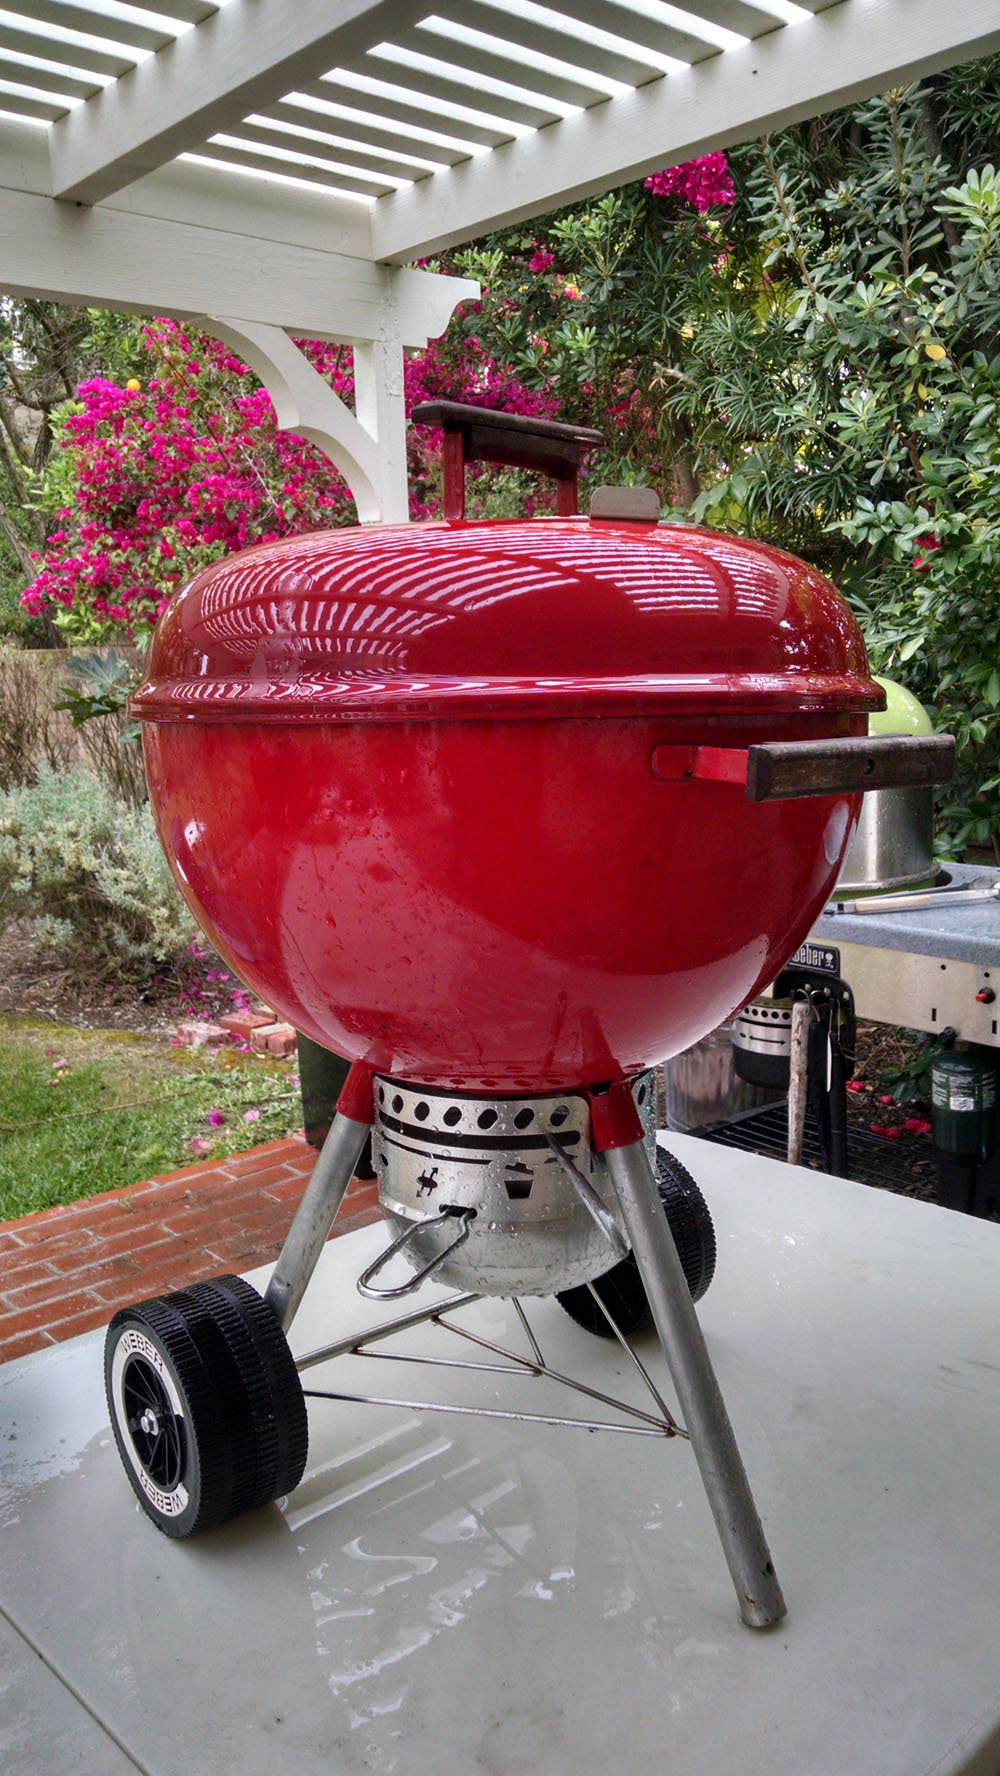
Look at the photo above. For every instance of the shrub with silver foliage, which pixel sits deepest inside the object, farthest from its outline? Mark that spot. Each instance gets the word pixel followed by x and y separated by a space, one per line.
pixel 91 868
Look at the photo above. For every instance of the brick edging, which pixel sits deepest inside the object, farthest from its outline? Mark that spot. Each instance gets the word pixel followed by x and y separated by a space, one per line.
pixel 203 1168
pixel 64 1270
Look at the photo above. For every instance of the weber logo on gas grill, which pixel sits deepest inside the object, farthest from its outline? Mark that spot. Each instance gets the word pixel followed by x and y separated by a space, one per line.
pixel 817 958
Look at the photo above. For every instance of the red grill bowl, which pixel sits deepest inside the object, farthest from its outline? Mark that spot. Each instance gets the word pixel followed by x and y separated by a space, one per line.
pixel 404 779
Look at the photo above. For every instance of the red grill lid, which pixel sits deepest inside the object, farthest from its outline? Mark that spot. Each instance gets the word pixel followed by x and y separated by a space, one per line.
pixel 446 620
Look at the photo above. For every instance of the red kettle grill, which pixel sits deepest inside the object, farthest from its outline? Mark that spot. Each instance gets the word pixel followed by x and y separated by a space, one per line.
pixel 506 813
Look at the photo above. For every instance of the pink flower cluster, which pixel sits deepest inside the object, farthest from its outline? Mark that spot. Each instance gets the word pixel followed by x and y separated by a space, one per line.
pixel 927 546
pixel 168 475
pixel 703 183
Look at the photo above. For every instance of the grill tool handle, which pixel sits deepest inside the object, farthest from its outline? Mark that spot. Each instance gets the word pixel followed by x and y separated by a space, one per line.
pixel 480 434
pixel 781 770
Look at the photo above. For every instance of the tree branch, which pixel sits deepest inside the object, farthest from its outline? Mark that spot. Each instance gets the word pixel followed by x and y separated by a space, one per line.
pixel 59 342
pixel 19 389
pixel 932 136
pixel 17 442
pixel 12 460
pixel 18 544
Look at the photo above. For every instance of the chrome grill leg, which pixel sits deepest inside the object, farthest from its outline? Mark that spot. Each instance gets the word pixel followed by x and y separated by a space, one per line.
pixel 315 1216
pixel 702 1407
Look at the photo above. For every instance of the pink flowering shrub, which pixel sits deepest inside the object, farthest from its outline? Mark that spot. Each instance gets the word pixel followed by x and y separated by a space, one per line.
pixel 704 183
pixel 459 367
pixel 158 480
pixel 152 481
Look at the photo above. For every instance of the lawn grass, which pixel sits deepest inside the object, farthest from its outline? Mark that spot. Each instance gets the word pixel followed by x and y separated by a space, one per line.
pixel 89 1110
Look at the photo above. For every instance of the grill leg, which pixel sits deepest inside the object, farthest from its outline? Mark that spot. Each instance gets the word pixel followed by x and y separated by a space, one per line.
pixel 315 1216
pixel 702 1406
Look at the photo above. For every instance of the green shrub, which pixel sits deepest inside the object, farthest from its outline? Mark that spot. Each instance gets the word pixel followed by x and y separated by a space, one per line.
pixel 91 868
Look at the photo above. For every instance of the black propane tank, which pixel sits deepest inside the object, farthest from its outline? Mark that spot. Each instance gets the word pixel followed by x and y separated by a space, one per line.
pixel 963 1105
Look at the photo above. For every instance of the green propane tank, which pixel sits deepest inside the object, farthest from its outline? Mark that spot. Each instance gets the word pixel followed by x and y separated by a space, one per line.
pixel 963 1105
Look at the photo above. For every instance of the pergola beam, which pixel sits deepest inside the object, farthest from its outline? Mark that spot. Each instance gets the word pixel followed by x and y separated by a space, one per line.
pixel 836 58
pixel 241 59
pixel 123 260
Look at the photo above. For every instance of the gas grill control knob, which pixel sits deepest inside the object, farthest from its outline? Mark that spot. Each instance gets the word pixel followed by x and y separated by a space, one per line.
pixel 985 996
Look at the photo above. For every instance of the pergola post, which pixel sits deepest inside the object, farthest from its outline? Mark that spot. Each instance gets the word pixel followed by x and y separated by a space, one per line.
pixel 378 403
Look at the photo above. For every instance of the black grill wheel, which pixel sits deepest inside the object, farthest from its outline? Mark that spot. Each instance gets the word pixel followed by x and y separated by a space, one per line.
pixel 621 1288
pixel 206 1405
pixel 265 1360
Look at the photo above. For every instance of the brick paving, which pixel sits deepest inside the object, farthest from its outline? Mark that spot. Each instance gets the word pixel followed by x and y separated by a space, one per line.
pixel 65 1270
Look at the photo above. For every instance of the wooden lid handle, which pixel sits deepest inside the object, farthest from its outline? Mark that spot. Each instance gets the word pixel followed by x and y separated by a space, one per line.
pixel 481 434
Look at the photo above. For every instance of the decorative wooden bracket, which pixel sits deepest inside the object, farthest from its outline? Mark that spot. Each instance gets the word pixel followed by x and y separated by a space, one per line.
pixel 368 446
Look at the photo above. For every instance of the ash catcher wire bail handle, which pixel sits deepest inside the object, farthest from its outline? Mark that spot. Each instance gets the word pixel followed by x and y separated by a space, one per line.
pixel 482 434
pixel 365 1283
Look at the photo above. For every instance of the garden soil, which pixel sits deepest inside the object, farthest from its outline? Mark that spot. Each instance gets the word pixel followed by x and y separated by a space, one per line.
pixel 36 980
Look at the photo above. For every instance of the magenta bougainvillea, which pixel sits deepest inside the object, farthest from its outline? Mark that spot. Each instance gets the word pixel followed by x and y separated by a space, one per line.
pixel 154 479
pixel 160 477
pixel 705 182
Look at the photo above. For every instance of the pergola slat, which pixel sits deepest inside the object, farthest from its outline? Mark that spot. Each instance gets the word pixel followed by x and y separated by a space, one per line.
pixel 190 12
pixel 508 63
pixel 525 35
pixel 229 153
pixel 75 55
pixel 23 106
pixel 747 17
pixel 46 80
pixel 408 107
pixel 335 154
pixel 95 23
pixel 386 136
pixel 621 20
pixel 462 77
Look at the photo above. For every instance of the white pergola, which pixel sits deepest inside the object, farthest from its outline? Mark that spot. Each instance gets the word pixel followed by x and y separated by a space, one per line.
pixel 271 167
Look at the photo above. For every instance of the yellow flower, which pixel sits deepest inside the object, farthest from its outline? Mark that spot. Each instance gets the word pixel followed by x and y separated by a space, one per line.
pixel 133 385
pixel 935 351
